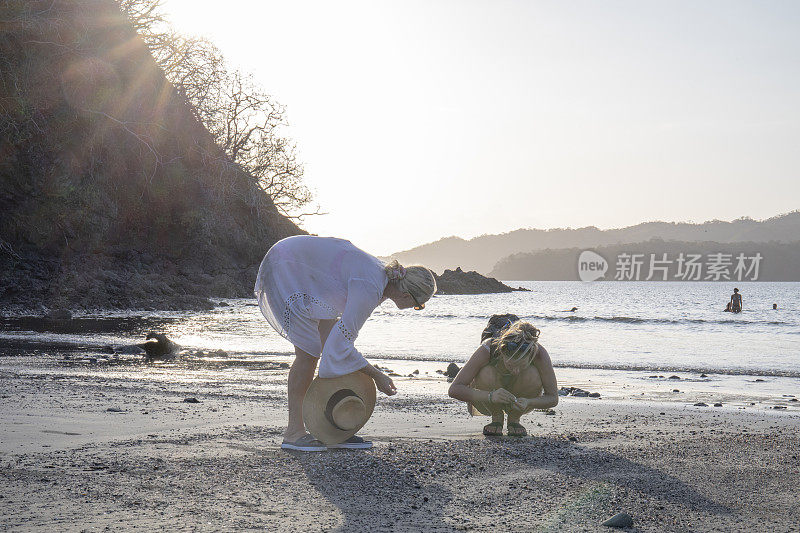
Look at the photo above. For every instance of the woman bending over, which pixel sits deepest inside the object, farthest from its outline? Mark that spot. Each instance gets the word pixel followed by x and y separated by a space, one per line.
pixel 508 374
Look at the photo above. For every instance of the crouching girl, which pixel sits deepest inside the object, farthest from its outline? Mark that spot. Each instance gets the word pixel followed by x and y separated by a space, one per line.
pixel 511 374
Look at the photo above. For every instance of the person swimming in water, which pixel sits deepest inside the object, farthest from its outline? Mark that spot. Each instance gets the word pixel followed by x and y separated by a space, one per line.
pixel 736 301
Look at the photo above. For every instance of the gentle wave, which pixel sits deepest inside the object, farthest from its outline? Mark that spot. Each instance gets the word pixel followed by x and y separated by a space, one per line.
pixel 613 319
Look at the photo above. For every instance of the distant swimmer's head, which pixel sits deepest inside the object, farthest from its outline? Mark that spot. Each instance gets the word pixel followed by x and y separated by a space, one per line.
pixel 735 290
pixel 417 281
pixel 517 345
pixel 774 306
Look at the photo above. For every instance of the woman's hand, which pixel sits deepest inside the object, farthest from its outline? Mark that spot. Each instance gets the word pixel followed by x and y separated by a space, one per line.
pixel 502 396
pixel 521 404
pixel 385 384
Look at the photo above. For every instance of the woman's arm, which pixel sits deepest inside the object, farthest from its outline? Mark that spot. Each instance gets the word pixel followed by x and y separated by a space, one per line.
pixel 549 397
pixel 460 388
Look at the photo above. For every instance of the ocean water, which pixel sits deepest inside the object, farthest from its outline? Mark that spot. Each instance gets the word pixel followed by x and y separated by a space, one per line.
pixel 624 326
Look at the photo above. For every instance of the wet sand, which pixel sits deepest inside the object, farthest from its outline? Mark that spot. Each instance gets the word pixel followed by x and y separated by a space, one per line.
pixel 116 446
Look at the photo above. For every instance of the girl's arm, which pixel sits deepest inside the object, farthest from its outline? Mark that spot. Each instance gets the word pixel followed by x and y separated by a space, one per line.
pixel 549 397
pixel 460 388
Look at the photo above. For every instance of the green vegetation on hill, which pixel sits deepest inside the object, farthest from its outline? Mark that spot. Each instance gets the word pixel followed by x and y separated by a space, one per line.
pixel 112 193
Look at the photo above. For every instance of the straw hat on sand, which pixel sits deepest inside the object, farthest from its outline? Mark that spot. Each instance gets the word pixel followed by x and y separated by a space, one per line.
pixel 334 409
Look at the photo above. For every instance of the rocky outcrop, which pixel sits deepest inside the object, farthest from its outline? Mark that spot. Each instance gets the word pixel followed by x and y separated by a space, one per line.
pixel 112 192
pixel 459 282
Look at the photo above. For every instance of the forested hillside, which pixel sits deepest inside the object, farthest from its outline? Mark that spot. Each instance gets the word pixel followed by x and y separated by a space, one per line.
pixel 112 191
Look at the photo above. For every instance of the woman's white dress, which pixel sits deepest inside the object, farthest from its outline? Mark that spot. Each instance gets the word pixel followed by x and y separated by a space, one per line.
pixel 304 279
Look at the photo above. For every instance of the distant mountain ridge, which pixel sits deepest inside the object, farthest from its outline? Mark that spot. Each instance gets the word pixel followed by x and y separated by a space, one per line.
pixel 484 252
pixel 777 262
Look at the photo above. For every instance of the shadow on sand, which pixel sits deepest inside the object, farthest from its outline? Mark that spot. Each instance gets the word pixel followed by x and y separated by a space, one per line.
pixel 416 485
pixel 377 490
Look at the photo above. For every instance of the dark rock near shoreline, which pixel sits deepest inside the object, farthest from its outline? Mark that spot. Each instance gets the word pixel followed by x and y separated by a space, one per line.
pixel 59 314
pixel 577 392
pixel 459 282
pixel 159 346
pixel 452 370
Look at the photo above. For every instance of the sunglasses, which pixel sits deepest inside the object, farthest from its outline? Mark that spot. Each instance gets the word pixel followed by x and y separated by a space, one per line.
pixel 514 348
pixel 418 306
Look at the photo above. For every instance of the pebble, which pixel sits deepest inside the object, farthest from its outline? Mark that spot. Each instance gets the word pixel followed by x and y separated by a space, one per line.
pixel 114 410
pixel 703 376
pixel 701 404
pixel 674 377
pixel 779 407
pixel 191 400
pixel 717 404
pixel 620 520
pixel 675 390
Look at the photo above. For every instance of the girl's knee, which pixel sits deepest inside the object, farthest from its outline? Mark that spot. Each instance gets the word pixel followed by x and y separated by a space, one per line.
pixel 487 378
pixel 528 384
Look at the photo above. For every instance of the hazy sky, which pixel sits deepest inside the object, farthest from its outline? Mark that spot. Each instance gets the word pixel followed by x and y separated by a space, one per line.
pixel 422 119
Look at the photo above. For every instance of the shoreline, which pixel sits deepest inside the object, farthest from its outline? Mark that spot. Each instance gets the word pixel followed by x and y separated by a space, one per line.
pixel 90 447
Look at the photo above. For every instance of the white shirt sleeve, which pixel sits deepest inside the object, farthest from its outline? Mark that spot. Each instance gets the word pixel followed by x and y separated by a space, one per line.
pixel 339 355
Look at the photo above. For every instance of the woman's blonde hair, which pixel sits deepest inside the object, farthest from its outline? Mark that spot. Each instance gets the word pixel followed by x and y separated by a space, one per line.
pixel 417 280
pixel 519 333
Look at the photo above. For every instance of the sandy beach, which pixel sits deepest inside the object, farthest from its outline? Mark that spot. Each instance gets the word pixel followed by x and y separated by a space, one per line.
pixel 96 446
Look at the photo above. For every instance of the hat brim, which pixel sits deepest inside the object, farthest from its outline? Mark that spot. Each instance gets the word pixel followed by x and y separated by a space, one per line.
pixel 316 399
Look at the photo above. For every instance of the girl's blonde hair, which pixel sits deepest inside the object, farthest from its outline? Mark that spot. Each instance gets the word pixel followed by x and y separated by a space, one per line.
pixel 519 333
pixel 417 280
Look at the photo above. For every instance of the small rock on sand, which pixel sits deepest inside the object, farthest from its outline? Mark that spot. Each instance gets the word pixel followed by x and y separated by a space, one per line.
pixel 701 404
pixel 703 376
pixel 779 407
pixel 114 410
pixel 452 370
pixel 191 400
pixel 717 404
pixel 675 390
pixel 620 520
pixel 674 377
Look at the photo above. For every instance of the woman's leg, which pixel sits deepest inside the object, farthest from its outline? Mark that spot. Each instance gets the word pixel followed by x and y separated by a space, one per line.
pixel 300 376
pixel 528 384
pixel 488 379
